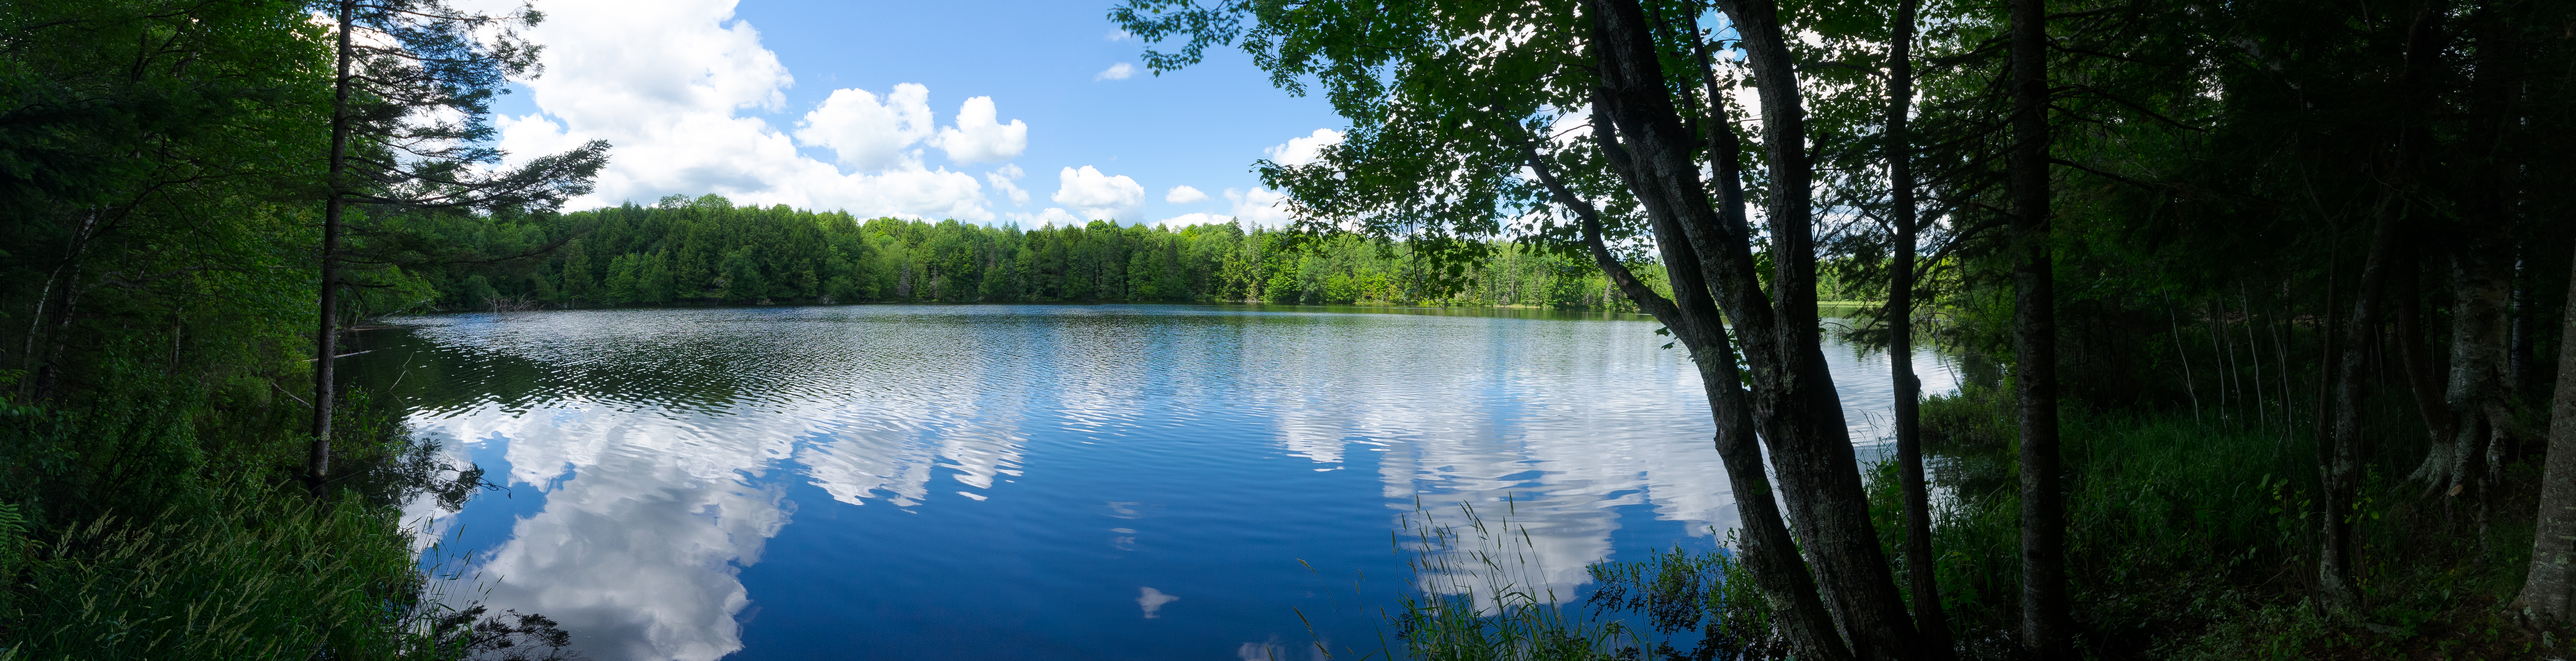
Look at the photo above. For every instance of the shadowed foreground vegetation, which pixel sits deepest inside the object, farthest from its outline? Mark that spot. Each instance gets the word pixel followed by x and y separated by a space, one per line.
pixel 175 182
pixel 2193 540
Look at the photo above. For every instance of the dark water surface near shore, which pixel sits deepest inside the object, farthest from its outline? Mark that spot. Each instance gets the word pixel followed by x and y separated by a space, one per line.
pixel 1042 482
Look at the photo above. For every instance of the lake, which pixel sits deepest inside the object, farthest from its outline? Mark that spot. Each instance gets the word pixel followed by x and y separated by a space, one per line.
pixel 1041 481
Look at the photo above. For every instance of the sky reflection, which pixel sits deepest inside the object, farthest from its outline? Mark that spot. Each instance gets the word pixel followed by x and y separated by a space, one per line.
pixel 1041 481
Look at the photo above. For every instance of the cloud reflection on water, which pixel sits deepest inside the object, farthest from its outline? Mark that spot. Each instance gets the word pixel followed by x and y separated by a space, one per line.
pixel 647 521
pixel 663 451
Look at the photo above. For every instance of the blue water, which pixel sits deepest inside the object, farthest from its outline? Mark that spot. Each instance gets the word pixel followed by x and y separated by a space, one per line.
pixel 1041 482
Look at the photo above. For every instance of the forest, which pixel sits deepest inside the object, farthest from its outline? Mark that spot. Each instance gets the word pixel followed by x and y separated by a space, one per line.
pixel 708 251
pixel 2264 305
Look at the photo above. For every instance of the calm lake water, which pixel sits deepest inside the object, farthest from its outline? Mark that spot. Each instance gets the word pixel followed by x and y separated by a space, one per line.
pixel 1041 482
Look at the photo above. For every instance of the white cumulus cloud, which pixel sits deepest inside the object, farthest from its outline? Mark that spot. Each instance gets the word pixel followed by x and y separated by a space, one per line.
pixel 667 82
pixel 867 135
pixel 978 138
pixel 1098 196
pixel 1006 180
pixel 1304 150
pixel 1119 71
pixel 1259 206
pixel 1184 195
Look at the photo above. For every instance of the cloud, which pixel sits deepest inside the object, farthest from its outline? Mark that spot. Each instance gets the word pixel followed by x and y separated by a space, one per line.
pixel 1153 600
pixel 1005 179
pixel 1098 196
pixel 1260 207
pixel 1305 150
pixel 871 136
pixel 1117 35
pixel 1119 71
pixel 977 138
pixel 1184 195
pixel 667 84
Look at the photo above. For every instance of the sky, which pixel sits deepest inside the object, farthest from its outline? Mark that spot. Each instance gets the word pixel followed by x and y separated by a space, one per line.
pixel 982 111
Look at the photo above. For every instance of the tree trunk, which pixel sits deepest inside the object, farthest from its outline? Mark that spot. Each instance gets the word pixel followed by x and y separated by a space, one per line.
pixel 1795 407
pixel 1922 577
pixel 1766 547
pixel 2341 454
pixel 326 350
pixel 2479 284
pixel 2047 633
pixel 2545 591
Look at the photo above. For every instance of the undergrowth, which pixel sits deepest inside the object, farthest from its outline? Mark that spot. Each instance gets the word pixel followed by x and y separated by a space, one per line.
pixel 2186 540
pixel 157 523
pixel 2193 540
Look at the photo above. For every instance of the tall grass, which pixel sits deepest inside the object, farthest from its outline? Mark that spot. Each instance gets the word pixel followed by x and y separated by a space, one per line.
pixel 127 533
pixel 265 578
pixel 1480 595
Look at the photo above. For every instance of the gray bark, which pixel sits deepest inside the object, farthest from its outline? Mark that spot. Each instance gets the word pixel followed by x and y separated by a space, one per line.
pixel 2476 382
pixel 2545 590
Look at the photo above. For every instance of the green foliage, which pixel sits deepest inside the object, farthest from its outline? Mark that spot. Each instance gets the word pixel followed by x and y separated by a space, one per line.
pixel 1706 595
pixel 160 173
pixel 707 250
pixel 2191 540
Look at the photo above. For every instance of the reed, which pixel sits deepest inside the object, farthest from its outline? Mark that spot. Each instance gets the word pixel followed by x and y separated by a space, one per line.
pixel 1480 594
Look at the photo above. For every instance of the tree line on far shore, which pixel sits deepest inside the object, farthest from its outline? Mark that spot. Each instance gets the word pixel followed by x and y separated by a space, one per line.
pixel 709 251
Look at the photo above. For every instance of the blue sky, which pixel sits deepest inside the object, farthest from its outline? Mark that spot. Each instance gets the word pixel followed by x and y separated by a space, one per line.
pixel 857 107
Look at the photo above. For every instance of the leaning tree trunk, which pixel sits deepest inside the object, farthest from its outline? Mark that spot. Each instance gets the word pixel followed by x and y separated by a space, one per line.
pixel 1921 577
pixel 2047 633
pixel 326 349
pixel 2545 591
pixel 1795 407
pixel 1766 547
